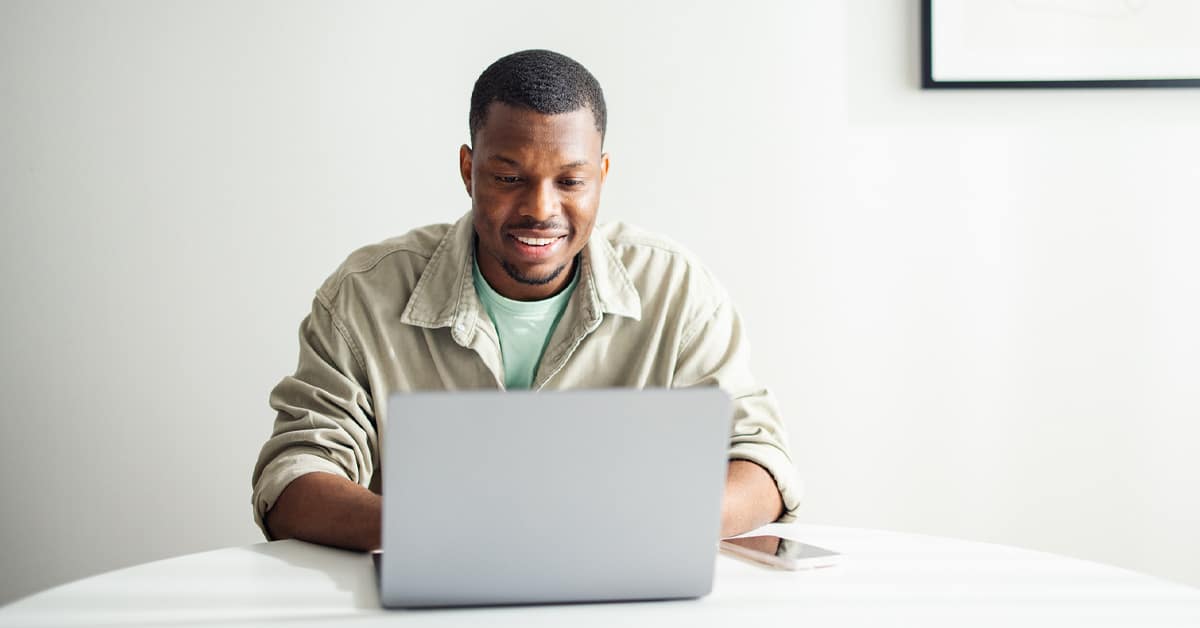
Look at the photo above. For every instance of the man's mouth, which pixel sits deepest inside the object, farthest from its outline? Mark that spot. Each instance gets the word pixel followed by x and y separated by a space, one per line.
pixel 537 241
pixel 535 248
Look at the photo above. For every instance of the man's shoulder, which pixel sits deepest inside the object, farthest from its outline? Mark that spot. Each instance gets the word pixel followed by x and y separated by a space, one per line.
pixel 656 262
pixel 395 261
pixel 631 241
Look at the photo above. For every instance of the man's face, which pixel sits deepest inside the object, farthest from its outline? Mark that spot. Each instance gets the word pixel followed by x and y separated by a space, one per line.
pixel 534 182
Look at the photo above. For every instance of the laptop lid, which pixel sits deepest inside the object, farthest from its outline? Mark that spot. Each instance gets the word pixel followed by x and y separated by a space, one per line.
pixel 493 497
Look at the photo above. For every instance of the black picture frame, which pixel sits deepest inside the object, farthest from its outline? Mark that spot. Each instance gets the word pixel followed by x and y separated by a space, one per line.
pixel 929 82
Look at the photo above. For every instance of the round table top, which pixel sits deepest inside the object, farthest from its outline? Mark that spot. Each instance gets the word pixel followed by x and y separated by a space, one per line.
pixel 885 578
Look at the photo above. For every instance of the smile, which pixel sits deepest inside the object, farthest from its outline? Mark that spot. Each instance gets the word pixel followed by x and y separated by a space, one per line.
pixel 535 250
pixel 537 241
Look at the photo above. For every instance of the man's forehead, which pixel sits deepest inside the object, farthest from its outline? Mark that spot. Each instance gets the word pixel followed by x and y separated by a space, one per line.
pixel 522 125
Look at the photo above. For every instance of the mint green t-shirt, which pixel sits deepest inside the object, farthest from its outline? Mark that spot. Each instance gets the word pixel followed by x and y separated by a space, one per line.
pixel 524 327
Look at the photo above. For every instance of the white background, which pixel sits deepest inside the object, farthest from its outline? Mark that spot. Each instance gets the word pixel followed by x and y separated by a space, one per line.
pixel 978 309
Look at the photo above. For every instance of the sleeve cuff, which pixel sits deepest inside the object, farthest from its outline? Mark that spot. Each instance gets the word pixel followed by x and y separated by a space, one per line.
pixel 279 473
pixel 779 465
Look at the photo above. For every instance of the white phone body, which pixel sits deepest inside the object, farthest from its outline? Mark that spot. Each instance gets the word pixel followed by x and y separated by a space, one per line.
pixel 779 553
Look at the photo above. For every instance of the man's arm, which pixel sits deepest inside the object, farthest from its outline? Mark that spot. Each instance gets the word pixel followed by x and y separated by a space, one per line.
pixel 751 499
pixel 331 510
pixel 761 486
pixel 327 509
pixel 324 426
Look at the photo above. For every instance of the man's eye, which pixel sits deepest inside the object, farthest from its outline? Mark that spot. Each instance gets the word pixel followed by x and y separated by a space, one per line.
pixel 571 182
pixel 508 180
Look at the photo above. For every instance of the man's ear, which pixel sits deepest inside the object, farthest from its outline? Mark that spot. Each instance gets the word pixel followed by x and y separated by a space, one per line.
pixel 464 166
pixel 603 167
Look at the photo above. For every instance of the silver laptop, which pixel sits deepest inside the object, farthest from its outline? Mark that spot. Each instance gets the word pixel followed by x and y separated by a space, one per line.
pixel 523 497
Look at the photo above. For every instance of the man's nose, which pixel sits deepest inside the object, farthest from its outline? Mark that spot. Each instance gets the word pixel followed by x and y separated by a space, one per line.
pixel 543 201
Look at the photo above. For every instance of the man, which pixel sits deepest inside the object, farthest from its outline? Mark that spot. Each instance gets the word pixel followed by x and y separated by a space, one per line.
pixel 521 292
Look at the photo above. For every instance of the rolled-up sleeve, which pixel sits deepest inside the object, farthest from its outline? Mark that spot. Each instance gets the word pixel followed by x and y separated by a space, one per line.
pixel 325 421
pixel 714 352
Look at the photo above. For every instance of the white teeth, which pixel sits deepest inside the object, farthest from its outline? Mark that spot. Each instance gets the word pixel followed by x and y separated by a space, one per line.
pixel 535 241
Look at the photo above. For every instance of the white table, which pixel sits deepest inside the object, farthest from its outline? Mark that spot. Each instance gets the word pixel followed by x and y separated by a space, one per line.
pixel 885 579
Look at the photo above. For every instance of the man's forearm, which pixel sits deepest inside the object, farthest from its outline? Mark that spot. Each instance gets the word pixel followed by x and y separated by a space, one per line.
pixel 327 509
pixel 751 498
pixel 331 510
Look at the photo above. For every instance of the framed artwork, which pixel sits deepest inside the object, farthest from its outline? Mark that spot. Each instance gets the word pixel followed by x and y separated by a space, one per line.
pixel 1060 43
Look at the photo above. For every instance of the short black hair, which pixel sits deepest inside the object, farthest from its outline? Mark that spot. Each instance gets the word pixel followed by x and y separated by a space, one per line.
pixel 544 81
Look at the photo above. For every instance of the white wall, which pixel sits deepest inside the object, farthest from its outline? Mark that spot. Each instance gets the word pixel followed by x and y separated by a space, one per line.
pixel 977 308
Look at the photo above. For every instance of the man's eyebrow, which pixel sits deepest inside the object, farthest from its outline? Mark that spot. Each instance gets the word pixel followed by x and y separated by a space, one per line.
pixel 508 160
pixel 579 163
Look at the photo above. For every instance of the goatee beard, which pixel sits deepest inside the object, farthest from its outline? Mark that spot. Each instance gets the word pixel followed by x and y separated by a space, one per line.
pixel 520 277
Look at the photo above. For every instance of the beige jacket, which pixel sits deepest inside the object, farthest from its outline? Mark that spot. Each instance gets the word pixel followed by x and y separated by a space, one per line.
pixel 403 315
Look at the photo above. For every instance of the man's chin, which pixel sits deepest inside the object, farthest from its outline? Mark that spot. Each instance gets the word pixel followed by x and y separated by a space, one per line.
pixel 533 276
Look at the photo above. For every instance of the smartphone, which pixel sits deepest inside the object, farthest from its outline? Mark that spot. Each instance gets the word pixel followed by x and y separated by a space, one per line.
pixel 780 553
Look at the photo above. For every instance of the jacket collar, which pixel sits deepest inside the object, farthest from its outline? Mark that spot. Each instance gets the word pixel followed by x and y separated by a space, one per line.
pixel 445 293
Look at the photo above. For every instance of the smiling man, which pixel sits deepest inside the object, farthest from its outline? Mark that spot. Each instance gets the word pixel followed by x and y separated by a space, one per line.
pixel 525 291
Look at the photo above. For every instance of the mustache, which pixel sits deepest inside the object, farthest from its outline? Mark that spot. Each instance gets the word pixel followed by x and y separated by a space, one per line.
pixel 536 225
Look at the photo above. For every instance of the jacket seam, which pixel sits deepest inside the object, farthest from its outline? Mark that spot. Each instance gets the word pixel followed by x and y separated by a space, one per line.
pixel 341 280
pixel 344 333
pixel 693 330
pixel 633 242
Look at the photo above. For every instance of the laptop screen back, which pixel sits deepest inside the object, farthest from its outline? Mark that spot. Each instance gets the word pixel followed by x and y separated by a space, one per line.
pixel 527 497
